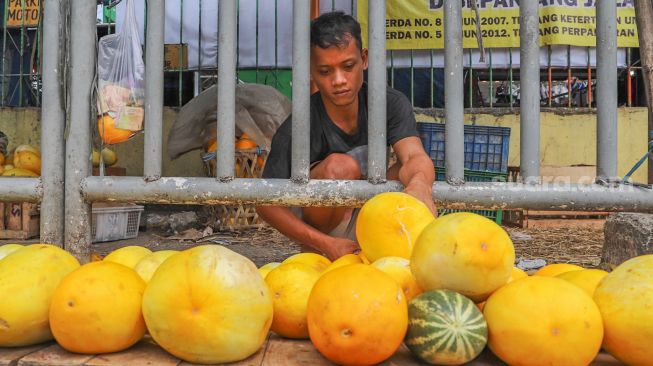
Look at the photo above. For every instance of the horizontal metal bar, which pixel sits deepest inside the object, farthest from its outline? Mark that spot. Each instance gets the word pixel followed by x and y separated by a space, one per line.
pixel 21 189
pixel 471 195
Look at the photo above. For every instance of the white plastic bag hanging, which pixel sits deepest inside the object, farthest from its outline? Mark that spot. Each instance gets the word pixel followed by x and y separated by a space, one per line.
pixel 121 81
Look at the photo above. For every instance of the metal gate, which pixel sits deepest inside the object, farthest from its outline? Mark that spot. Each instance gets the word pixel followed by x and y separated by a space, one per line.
pixel 66 189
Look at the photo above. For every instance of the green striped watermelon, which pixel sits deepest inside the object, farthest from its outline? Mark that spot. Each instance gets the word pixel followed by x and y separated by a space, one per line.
pixel 445 328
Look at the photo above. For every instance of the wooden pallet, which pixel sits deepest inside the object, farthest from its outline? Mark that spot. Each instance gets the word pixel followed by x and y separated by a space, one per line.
pixel 19 220
pixel 274 352
pixel 536 218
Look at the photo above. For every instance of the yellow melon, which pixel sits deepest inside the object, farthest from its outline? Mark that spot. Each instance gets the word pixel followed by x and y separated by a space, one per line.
pixel 585 279
pixel 149 264
pixel 245 143
pixel 7 249
pixel 543 321
pixel 463 252
pixel 517 274
pixel 319 262
pixel 97 309
pixel 625 299
pixel 552 270
pixel 343 261
pixel 28 160
pixel 109 156
pixel 128 256
pixel 399 269
pixel 290 285
pixel 28 279
pixel 388 225
pixel 2 169
pixel 18 172
pixel 357 315
pixel 208 305
pixel 95 158
pixel 266 268
pixel 27 147
pixel 363 258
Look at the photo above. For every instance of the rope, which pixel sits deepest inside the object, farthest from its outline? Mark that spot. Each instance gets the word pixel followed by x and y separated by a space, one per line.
pixel 639 163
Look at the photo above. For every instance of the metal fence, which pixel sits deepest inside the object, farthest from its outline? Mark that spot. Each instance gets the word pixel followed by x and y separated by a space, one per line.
pixel 492 86
pixel 66 191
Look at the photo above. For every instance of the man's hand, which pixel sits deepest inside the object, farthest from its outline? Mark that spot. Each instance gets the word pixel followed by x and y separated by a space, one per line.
pixel 423 193
pixel 337 247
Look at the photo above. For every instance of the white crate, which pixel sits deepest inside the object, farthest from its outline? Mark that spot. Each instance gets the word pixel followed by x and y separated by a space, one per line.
pixel 115 222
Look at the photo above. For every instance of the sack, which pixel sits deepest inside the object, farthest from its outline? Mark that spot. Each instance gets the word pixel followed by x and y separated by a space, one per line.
pixel 121 75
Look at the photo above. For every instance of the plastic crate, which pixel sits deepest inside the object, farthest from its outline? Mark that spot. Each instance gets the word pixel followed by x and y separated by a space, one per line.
pixel 486 147
pixel 115 222
pixel 476 176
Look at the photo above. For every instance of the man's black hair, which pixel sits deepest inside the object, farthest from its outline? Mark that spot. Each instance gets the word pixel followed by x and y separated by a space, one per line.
pixel 335 29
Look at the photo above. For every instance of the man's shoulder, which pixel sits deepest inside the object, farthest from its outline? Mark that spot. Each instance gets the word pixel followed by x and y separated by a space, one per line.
pixel 286 127
pixel 396 95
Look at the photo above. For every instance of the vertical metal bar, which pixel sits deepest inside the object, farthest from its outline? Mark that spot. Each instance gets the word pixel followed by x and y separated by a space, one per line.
pixel 431 80
pixel 606 96
pixel 491 77
pixel 510 78
pixel 589 79
pixel 78 146
pixel 237 40
pixel 4 54
pixel 471 81
pixel 301 91
pixel 276 44
pixel 412 78
pixel 199 41
pixel 180 80
pixel 530 91
pixel 315 9
pixel 39 55
pixel 21 75
pixel 53 122
pixel 226 89
pixel 154 89
pixel 376 94
pixel 392 68
pixel 454 92
pixel 256 48
pixel 629 78
pixel 550 77
pixel 568 76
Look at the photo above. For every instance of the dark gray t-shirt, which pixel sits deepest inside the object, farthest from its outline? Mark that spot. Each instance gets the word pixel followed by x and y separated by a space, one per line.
pixel 327 138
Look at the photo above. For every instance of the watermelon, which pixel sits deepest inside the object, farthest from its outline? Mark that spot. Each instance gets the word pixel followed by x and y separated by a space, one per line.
pixel 445 328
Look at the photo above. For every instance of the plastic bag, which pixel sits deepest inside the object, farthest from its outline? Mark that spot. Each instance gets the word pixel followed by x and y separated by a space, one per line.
pixel 121 81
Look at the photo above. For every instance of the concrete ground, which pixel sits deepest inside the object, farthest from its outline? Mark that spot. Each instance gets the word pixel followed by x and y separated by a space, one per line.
pixel 569 244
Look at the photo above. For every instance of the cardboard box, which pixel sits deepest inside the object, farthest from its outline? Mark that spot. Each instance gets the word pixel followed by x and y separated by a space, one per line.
pixel 175 56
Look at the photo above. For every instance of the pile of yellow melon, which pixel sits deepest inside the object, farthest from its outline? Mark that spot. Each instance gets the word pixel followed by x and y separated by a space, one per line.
pixel 563 314
pixel 209 304
pixel 107 156
pixel 23 161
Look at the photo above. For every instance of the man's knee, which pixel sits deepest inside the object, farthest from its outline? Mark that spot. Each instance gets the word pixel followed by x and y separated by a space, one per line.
pixel 337 166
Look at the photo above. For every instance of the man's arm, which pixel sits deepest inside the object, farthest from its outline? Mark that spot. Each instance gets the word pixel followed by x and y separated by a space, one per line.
pixel 416 173
pixel 283 219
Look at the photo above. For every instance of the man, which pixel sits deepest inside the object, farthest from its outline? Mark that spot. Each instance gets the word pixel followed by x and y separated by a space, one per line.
pixel 338 142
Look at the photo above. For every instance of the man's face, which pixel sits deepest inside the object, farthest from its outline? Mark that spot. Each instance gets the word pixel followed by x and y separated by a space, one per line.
pixel 338 72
